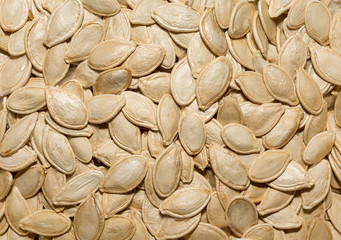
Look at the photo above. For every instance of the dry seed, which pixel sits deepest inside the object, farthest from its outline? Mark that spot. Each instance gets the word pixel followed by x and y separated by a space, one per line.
pixel 334 35
pixel 217 74
pixel 176 17
pixel 308 92
pixel 89 219
pixel 318 229
pixel 82 148
pixel 192 142
pixel 78 188
pixel 240 51
pixel 109 54
pixel 66 109
pixel 241 214
pixel 46 223
pixel 185 203
pixel 18 135
pixel 139 34
pixel 215 212
pixel 81 46
pixel 18 160
pixel 140 110
pixel 13 14
pixel 295 177
pixel 277 7
pixel 318 30
pixel 84 132
pixel 228 167
pixel 316 124
pixel 155 86
pixel 322 59
pixel 108 152
pixel 259 35
pixel 284 130
pixel 125 175
pixel 255 192
pixel 198 55
pixel 141 230
pixel 55 68
pixel 239 138
pixel 102 8
pixel 223 9
pixel 273 201
pixel 212 34
pixel 112 81
pixel 165 227
pixel 30 180
pixel 293 54
pixel 260 231
pixel 3 123
pixel 114 203
pixel 16 43
pixel 125 134
pixel 26 100
pixel 118 227
pixel 161 37
pixel 167 171
pixel 10 78
pixel 229 112
pixel 252 85
pixel 149 188
pixel 258 62
pixel 296 147
pixel 321 175
pixel 145 59
pixel 103 108
pixel 188 85
pixel 85 75
pixel 60 27
pixel 168 115
pixel 205 231
pixel 142 10
pixel 53 183
pixel 264 118
pixel 296 14
pixel 34 41
pixel 16 209
pixel 183 92
pixel 118 27
pixel 279 84
pixel 201 159
pixel 284 219
pixel 269 165
pixel 241 19
pixel 182 39
pixel 58 151
pixel 318 147
pixel 187 167
pixel 269 25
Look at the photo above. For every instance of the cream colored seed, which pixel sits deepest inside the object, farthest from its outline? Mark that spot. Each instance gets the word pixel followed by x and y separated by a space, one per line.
pixel 178 119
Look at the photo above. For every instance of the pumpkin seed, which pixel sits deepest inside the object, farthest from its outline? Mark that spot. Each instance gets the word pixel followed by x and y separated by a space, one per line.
pixel 59 27
pixel 125 175
pixel 238 222
pixel 18 135
pixel 195 200
pixel 89 219
pixel 176 17
pixel 46 223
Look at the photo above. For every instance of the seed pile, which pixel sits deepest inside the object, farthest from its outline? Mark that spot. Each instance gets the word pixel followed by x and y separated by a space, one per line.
pixel 178 119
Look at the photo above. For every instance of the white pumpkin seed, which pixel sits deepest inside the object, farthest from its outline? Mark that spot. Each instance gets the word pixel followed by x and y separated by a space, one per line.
pixel 64 22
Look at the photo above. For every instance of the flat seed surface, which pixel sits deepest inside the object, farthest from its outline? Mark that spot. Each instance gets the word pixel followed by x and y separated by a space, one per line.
pixel 178 119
